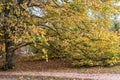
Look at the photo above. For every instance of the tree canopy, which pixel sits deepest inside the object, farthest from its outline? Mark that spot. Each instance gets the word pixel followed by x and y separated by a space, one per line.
pixel 63 27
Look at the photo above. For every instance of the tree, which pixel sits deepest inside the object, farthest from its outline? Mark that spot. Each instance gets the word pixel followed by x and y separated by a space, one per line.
pixel 18 28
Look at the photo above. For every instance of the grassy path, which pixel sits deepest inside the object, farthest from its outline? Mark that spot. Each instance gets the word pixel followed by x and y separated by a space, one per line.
pixel 105 76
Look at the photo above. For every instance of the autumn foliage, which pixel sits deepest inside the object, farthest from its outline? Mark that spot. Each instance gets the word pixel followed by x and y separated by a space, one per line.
pixel 83 33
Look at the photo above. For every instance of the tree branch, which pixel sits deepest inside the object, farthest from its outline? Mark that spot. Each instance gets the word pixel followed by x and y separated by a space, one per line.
pixel 21 45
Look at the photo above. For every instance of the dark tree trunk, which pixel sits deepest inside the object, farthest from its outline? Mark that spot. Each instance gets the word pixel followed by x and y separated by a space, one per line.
pixel 9 61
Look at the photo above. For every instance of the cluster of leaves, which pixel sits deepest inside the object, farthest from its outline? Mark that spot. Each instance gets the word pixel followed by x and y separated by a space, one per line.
pixel 19 25
pixel 98 48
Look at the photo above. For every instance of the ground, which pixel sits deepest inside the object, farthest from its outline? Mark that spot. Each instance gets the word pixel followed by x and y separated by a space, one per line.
pixel 42 70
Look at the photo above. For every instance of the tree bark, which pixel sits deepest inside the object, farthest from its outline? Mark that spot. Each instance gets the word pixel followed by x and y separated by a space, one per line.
pixel 9 61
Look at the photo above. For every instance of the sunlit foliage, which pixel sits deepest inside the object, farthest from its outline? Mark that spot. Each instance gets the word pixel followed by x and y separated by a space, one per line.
pixel 84 37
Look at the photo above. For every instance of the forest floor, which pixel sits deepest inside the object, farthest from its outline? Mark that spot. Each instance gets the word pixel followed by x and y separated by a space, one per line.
pixel 58 68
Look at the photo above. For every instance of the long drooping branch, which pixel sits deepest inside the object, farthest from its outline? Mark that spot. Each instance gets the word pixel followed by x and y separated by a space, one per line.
pixel 21 45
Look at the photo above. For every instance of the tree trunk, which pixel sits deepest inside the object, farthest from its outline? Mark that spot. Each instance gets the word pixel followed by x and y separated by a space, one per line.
pixel 9 61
